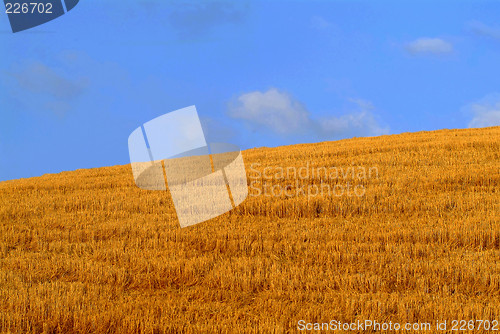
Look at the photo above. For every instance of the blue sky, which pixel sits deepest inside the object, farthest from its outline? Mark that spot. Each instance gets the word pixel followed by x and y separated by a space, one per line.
pixel 260 74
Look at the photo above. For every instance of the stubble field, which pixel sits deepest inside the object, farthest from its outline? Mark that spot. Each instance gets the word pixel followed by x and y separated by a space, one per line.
pixel 89 252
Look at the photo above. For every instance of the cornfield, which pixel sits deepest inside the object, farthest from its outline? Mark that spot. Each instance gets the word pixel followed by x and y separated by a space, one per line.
pixel 87 251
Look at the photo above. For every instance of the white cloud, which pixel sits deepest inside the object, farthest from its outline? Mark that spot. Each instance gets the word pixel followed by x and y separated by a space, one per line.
pixel 359 122
pixel 281 113
pixel 273 109
pixel 486 112
pixel 40 78
pixel 363 104
pixel 484 30
pixel 429 46
pixel 194 18
pixel 320 23
pixel 41 87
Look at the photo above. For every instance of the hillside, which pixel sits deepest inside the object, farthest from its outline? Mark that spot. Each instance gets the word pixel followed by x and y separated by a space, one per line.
pixel 89 252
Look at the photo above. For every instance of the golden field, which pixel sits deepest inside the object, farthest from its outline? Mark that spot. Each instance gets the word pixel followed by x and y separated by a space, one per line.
pixel 89 252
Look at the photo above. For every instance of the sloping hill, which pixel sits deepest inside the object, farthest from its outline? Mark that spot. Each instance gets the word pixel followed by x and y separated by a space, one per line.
pixel 417 239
